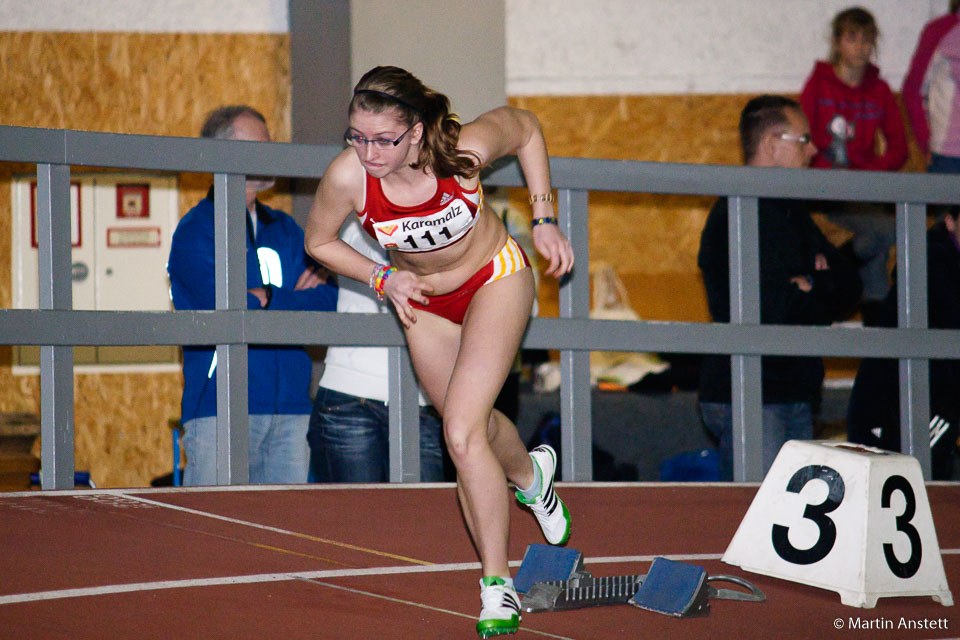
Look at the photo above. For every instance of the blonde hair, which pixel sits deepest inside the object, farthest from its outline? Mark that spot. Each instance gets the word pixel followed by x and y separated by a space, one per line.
pixel 384 88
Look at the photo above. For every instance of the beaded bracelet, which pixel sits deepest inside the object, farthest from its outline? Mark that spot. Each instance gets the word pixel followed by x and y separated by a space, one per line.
pixel 378 278
pixel 544 220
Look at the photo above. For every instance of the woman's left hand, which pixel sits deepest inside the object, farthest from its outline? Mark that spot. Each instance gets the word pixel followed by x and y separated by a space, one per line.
pixel 554 246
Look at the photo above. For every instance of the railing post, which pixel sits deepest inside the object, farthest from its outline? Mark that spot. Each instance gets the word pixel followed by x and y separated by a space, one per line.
pixel 56 292
pixel 404 417
pixel 576 435
pixel 230 252
pixel 745 371
pixel 912 314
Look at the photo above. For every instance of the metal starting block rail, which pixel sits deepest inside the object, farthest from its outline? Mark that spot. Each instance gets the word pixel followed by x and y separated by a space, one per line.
pixel 577 593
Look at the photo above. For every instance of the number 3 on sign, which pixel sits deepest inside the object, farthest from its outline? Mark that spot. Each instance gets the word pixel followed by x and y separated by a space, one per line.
pixel 828 528
pixel 870 536
pixel 815 512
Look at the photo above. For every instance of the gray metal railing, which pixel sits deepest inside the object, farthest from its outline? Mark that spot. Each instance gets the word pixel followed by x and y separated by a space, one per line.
pixel 57 328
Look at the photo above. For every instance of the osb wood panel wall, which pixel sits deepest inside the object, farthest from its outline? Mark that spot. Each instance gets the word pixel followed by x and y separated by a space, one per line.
pixel 651 240
pixel 157 84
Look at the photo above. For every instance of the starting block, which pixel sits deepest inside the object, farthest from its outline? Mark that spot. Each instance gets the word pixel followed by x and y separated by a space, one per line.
pixel 546 563
pixel 553 579
pixel 682 590
pixel 848 518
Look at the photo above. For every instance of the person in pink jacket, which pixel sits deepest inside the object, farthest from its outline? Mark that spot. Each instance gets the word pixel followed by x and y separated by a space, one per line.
pixel 930 92
pixel 855 123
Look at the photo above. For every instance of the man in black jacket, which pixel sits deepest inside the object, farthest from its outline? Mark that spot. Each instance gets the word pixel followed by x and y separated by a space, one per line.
pixel 804 280
pixel 873 417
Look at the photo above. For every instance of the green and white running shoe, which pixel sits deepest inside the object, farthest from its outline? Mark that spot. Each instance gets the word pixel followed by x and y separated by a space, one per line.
pixel 500 614
pixel 551 513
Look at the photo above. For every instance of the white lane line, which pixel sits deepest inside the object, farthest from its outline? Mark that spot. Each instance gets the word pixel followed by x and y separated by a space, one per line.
pixel 287 532
pixel 318 575
pixel 602 560
pixel 671 556
pixel 269 577
pixel 427 606
pixel 229 580
pixel 234 488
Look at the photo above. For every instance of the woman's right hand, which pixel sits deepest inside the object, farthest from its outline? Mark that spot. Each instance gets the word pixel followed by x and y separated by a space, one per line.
pixel 401 287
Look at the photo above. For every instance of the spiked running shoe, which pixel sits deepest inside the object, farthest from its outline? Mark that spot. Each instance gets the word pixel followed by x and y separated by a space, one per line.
pixel 500 614
pixel 551 513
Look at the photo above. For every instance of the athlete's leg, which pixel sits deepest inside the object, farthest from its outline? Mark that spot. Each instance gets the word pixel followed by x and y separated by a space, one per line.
pixel 462 369
pixel 504 440
pixel 484 444
pixel 510 450
pixel 434 343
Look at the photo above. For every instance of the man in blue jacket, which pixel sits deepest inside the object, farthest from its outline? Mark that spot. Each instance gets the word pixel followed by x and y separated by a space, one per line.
pixel 280 276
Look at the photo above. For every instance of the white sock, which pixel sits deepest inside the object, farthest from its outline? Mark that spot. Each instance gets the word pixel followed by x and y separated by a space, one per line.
pixel 533 491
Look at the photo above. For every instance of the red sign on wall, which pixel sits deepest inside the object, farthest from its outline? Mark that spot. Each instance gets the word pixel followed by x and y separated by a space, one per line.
pixel 133 200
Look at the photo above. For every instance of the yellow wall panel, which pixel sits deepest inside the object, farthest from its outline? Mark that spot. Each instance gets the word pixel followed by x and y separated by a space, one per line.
pixel 652 240
pixel 157 84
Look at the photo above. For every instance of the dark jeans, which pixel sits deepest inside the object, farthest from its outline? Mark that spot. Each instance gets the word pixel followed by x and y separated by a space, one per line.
pixel 781 422
pixel 349 440
pixel 943 164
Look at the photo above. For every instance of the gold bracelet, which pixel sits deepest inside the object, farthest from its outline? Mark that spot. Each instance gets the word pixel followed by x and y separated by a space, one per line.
pixel 541 197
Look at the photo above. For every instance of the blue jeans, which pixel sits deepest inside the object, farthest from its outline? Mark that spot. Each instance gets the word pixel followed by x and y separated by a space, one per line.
pixel 943 164
pixel 349 440
pixel 781 422
pixel 278 450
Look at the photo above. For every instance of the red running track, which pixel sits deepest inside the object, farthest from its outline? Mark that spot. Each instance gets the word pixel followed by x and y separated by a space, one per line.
pixel 387 562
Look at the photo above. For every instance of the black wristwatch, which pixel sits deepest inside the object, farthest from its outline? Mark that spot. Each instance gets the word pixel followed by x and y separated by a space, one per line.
pixel 268 288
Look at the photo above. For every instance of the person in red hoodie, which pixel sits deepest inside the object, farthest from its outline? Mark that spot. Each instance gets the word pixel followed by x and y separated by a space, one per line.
pixel 855 124
pixel 849 107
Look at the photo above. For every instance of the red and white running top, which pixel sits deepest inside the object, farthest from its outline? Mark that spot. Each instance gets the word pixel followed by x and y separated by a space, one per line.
pixel 442 220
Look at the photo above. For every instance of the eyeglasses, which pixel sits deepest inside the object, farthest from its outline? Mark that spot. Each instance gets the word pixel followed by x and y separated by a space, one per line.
pixel 380 143
pixel 803 139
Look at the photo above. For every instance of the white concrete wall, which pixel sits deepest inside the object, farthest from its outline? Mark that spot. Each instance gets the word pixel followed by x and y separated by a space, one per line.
pixel 456 46
pixel 569 47
pixel 174 16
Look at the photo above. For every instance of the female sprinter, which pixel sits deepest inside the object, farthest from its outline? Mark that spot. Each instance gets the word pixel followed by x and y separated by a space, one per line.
pixel 460 285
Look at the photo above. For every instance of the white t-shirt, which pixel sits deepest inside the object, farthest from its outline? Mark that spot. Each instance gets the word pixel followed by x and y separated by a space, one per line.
pixel 359 371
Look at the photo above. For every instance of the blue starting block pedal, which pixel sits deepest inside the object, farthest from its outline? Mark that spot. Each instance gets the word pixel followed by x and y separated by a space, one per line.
pixel 673 588
pixel 545 563
pixel 681 590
